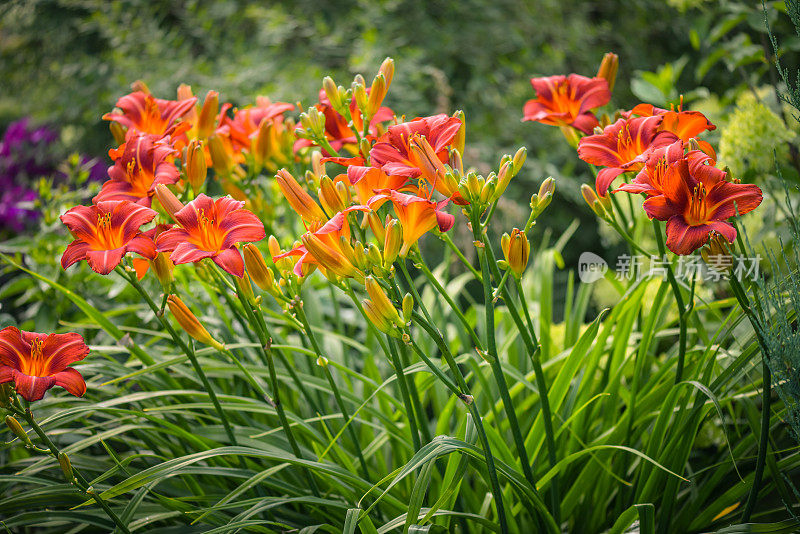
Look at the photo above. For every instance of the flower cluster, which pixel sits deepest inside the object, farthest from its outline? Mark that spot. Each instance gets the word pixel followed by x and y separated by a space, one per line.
pixel 659 148
pixel 172 143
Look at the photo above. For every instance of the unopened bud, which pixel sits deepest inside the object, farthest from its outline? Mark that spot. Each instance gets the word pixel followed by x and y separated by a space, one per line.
pixel 333 94
pixel 18 431
pixel 608 69
pixel 163 267
pixel 376 95
pixel 392 243
pixel 378 229
pixel 329 197
pixel 168 200
pixel 387 69
pixel 504 176
pixel 517 250
pixel 66 466
pixel 298 198
pixel 717 254
pixel 190 323
pixel 408 307
pixel 460 139
pixel 118 131
pixel 273 245
pixel 317 167
pixel 360 94
pixel 519 159
pixel 140 85
pixel 220 158
pixel 207 117
pixel 591 198
pixel 382 303
pixel 245 288
pixel 257 267
pixel 196 168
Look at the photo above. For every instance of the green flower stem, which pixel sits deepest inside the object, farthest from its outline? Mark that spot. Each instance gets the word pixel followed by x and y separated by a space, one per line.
pixel 420 264
pixel 401 378
pixel 766 395
pixel 403 384
pixel 256 320
pixel 301 315
pixel 676 290
pixel 494 361
pixel 528 336
pixel 79 481
pixel 460 255
pixel 547 416
pixel 187 349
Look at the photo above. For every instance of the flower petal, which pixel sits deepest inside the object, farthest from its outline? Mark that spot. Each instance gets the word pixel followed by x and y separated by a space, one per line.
pixel 104 261
pixel 230 260
pixel 75 252
pixel 71 380
pixel 32 388
pixel 61 350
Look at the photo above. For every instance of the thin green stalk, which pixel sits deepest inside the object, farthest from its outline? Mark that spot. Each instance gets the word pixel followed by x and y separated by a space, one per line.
pixel 301 315
pixel 460 255
pixel 422 422
pixel 676 290
pixel 443 292
pixel 79 481
pixel 766 395
pixel 131 278
pixel 547 416
pixel 256 320
pixel 401 381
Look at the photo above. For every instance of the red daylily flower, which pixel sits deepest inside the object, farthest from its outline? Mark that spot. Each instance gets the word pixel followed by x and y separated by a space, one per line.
pixel 684 124
pixel 651 178
pixel 151 115
pixel 211 228
pixel 392 153
pixel 567 101
pixel 245 122
pixel 368 180
pixel 417 215
pixel 623 147
pixel 37 362
pixel 695 205
pixel 105 232
pixel 140 164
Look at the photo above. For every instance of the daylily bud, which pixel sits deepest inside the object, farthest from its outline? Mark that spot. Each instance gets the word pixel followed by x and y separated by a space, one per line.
pixel 208 115
pixel 387 69
pixel 460 140
pixel 455 162
pixel 516 249
pixel 196 168
pixel 18 431
pixel 168 200
pixel 317 166
pixel 408 307
pixel 488 191
pixel 118 131
pixel 331 202
pixel 474 187
pixel 360 94
pixel 608 69
pixel 163 267
pixel 519 159
pixel 257 267
pixel 360 256
pixel 343 191
pixel 503 179
pixel 222 161
pixel 717 254
pixel 190 323
pixel 66 466
pixel 264 143
pixel 377 319
pixel 594 202
pixel 313 121
pixel 376 95
pixel 185 92
pixel 245 288
pixel 392 242
pixel 378 230
pixel 328 257
pixel 541 200
pixel 332 92
pixel 374 255
pixel 381 302
pixel 139 85
pixel 298 199
pixel 364 146
pixel 273 246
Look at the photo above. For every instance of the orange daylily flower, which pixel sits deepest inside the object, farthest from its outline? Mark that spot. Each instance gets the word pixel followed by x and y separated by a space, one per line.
pixel 684 124
pixel 567 101
pixel 140 164
pixel 36 362
pixel 697 204
pixel 209 228
pixel 323 246
pixel 623 147
pixel 417 215
pixel 243 126
pixel 151 115
pixel 368 180
pixel 105 232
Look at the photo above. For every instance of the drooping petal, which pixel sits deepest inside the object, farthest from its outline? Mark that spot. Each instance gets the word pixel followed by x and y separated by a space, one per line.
pixel 75 252
pixel 142 245
pixel 12 347
pixel 683 239
pixel 105 261
pixel 658 207
pixel 189 253
pixel 32 388
pixel 230 260
pixel 71 380
pixel 169 240
pixel 605 177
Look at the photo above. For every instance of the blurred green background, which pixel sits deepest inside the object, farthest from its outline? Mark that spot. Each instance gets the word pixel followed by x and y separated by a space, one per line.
pixel 65 62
